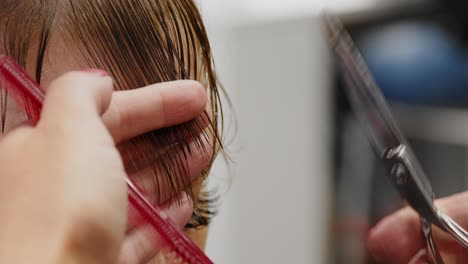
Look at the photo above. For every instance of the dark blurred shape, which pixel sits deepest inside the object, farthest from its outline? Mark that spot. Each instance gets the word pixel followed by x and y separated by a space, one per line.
pixel 417 62
pixel 457 10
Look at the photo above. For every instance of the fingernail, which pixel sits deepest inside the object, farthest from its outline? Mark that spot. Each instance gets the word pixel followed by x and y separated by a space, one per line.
pixel 99 72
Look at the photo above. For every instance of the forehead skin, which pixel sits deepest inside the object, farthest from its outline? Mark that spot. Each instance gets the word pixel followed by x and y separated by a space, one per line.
pixel 59 60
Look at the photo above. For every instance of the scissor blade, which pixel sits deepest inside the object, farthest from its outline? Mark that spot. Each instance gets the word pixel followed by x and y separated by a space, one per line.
pixel 376 118
pixel 374 114
pixel 363 93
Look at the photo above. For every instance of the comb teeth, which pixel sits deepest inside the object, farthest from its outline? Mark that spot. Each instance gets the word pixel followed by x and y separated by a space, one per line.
pixel 176 247
pixel 24 90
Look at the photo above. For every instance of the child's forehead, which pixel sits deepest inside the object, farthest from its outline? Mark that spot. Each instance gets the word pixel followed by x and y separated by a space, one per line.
pixel 59 59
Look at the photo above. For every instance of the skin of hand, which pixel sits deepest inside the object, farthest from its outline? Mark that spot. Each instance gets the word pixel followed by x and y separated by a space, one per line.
pixel 398 237
pixel 62 197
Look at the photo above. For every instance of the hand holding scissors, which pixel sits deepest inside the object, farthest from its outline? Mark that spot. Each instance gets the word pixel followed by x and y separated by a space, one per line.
pixel 390 144
pixel 398 239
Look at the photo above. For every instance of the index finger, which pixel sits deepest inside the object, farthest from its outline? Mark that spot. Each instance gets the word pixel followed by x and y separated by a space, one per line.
pixel 134 112
pixel 398 237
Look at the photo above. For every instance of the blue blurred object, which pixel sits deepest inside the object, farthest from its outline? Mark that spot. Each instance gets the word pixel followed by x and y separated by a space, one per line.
pixel 417 63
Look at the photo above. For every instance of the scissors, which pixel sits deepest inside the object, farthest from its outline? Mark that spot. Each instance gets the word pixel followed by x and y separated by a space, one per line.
pixel 387 140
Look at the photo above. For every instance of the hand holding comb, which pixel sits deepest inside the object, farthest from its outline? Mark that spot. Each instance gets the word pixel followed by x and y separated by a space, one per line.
pixel 175 247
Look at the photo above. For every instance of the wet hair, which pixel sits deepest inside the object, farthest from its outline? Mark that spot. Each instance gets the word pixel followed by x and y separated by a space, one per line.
pixel 139 43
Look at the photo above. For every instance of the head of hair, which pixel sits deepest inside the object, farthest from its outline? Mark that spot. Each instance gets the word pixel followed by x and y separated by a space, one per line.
pixel 139 43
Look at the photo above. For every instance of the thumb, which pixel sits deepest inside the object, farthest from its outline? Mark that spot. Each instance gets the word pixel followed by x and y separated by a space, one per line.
pixel 76 97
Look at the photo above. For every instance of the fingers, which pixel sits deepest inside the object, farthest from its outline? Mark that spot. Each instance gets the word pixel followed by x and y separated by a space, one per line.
pixel 142 243
pixel 135 112
pixel 156 183
pixel 76 97
pixel 398 237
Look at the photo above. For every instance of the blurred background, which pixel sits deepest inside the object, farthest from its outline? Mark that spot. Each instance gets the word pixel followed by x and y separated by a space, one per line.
pixel 303 185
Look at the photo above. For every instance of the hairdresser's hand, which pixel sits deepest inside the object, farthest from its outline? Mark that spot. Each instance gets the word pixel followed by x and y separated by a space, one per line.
pixel 135 112
pixel 62 196
pixel 398 238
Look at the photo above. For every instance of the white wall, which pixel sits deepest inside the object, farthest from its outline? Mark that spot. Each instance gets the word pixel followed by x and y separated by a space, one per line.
pixel 240 10
pixel 277 207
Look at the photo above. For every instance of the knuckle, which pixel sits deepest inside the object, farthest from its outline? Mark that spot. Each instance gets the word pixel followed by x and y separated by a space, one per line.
pixel 120 122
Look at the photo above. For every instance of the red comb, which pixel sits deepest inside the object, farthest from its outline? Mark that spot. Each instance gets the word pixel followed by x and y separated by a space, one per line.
pixel 176 247
pixel 24 90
